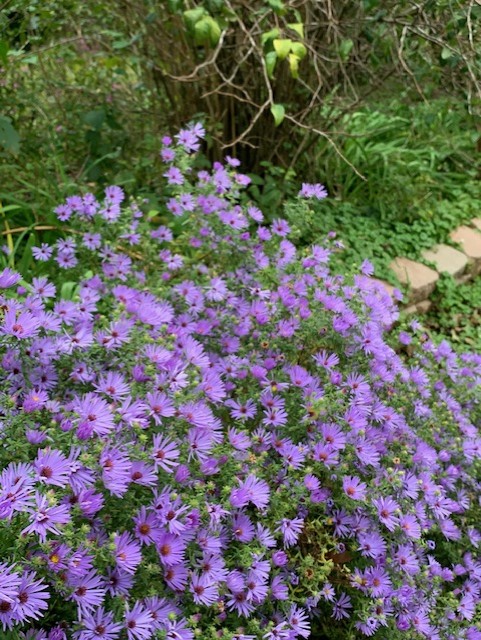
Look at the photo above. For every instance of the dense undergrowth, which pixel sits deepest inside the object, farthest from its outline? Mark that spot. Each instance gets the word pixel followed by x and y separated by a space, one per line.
pixel 83 105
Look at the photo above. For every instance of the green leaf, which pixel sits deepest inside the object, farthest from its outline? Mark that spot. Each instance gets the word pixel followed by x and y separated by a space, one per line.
pixel 95 118
pixel 299 50
pixel 33 59
pixel 446 53
pixel 121 44
pixel 277 6
pixel 278 111
pixel 271 59
pixel 294 65
pixel 27 253
pixel 175 5
pixel 345 48
pixel 282 47
pixel 298 27
pixel 4 49
pixel 214 30
pixel 9 138
pixel 269 35
pixel 68 290
pixel 206 31
pixel 192 17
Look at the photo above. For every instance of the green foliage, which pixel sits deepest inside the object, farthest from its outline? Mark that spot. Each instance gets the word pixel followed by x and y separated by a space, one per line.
pixel 87 88
pixel 419 182
pixel 455 314
pixel 411 157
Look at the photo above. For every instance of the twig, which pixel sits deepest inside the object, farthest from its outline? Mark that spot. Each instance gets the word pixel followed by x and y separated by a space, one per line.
pixel 323 134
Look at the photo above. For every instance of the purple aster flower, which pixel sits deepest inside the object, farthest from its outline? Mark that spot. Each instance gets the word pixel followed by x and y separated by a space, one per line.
pixel 378 581
pixel 354 488
pixel 372 545
pixel 116 470
pixel 174 176
pixel 88 591
pixel 387 510
pixel 203 590
pixel 242 528
pixel 138 622
pixel 32 598
pixel 52 467
pixel 35 400
pixel 9 583
pixel 171 549
pixel 299 622
pixel 128 554
pixel 25 325
pixel 66 259
pixel 291 530
pixel 160 405
pixel 176 577
pixel 45 517
pixel 251 490
pixel 341 607
pixel 178 630
pixel 94 416
pixel 147 529
pixel 165 453
pixel 42 253
pixel 118 583
pixel 327 592
pixel 98 625
pixel 238 601
pixel 8 278
pixel 406 560
pixel 410 525
pixel 280 227
pixel 43 288
pixel 313 191
pixel 110 212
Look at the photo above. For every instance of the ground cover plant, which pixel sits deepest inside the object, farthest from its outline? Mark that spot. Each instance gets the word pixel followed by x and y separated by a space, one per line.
pixel 420 180
pixel 455 313
pixel 207 432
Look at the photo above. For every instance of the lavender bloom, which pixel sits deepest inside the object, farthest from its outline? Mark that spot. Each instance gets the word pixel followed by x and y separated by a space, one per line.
pixel 98 625
pixel 45 518
pixel 138 623
pixel 8 278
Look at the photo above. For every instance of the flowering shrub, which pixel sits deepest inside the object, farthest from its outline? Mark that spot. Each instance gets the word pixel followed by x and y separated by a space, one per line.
pixel 211 435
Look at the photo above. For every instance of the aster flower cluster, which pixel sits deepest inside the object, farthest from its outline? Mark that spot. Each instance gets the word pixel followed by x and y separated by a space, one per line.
pixel 212 435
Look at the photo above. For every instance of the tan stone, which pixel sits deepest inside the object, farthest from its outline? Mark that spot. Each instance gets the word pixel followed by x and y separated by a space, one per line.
pixel 411 309
pixel 476 222
pixel 470 242
pixel 420 279
pixel 446 259
pixel 424 306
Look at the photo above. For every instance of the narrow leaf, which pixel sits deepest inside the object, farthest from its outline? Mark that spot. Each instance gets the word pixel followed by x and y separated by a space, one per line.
pixel 271 59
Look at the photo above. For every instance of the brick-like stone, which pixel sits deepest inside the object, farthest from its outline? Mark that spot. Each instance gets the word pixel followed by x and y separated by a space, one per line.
pixel 410 310
pixel 476 222
pixel 420 279
pixel 446 259
pixel 470 242
pixel 423 306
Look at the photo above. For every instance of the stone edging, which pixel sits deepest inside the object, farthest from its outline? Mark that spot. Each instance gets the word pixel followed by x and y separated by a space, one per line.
pixel 463 264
